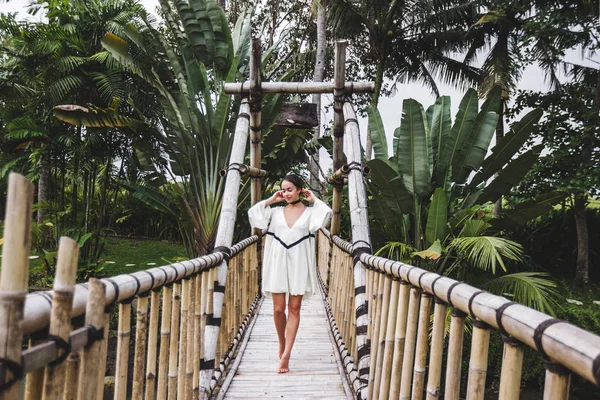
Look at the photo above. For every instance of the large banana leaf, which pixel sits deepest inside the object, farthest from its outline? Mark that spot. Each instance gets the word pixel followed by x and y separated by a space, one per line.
pixel 440 125
pixel 377 130
pixel 414 149
pixel 198 28
pixel 222 37
pixel 528 210
pixel 507 147
pixel 463 124
pixel 511 175
pixel 437 217
pixel 476 145
pixel 389 184
pixel 96 117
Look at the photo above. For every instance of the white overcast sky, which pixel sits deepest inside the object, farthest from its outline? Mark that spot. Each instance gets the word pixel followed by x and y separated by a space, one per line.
pixel 389 107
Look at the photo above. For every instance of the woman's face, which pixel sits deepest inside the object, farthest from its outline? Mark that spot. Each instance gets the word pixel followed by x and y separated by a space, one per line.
pixel 290 191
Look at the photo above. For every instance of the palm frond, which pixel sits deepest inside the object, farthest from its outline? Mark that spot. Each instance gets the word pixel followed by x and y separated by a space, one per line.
pixel 486 252
pixel 532 289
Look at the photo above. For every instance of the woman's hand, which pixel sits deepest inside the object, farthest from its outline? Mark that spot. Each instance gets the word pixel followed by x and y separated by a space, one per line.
pixel 310 196
pixel 276 198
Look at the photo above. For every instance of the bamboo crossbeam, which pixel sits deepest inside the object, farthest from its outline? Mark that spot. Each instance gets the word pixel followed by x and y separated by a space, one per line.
pixel 38 307
pixel 13 278
pixel 339 174
pixel 246 170
pixel 299 87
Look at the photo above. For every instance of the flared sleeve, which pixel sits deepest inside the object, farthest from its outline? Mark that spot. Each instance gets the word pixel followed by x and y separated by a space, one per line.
pixel 260 215
pixel 319 218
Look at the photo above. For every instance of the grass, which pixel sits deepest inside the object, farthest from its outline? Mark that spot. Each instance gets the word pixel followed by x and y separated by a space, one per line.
pixel 120 254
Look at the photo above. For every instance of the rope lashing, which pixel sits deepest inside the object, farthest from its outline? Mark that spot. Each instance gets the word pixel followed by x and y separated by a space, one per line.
pixel 94 334
pixel 244 115
pixel 433 288
pixel 147 292
pixel 109 306
pixel 455 284
pixel 15 368
pixel 350 120
pixel 539 332
pixel 355 166
pixel 476 322
pixel 61 344
pixel 226 251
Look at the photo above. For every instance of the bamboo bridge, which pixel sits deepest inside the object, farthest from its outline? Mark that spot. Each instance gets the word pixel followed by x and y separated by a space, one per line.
pixel 202 329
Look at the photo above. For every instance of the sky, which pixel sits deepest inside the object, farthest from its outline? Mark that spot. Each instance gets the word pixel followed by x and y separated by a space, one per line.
pixel 390 108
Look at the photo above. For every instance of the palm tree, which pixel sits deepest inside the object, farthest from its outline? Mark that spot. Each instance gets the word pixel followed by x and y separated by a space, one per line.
pixel 405 41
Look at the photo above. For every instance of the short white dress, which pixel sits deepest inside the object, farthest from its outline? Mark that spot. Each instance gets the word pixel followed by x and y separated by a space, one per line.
pixel 289 259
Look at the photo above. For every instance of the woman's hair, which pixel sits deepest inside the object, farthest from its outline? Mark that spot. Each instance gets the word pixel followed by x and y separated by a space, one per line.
pixel 294 180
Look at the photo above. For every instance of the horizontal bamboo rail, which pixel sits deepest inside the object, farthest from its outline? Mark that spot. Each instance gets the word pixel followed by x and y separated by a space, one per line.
pixel 298 87
pixel 564 347
pixel 245 170
pixel 339 174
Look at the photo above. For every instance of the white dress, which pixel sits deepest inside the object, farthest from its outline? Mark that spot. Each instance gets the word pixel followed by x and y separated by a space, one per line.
pixel 289 260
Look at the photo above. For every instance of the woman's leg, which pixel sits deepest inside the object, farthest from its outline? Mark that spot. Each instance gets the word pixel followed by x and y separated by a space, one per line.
pixel 280 320
pixel 294 305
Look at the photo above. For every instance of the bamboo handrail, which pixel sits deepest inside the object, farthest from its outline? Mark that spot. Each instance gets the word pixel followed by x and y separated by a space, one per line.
pixel 563 343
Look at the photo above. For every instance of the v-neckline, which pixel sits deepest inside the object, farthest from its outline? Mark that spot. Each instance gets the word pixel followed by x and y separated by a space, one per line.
pixel 295 222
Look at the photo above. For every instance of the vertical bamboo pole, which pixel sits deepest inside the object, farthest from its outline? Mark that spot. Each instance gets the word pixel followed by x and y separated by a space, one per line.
pixel 437 349
pixel 13 278
pixel 377 296
pixel 478 362
pixel 152 346
pixel 197 333
pixel 383 318
pixel 422 345
pixel 174 339
pixel 399 339
pixel 389 340
pixel 512 366
pixel 409 344
pixel 124 331
pixel 455 347
pixel 70 385
pixel 189 358
pixel 338 129
pixel 255 118
pixel 141 328
pixel 94 317
pixel 60 320
pixel 103 351
pixel 183 329
pixel 35 379
pixel 165 336
pixel 557 383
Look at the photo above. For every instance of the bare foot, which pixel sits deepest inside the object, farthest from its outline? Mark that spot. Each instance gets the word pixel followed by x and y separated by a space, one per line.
pixel 281 349
pixel 284 366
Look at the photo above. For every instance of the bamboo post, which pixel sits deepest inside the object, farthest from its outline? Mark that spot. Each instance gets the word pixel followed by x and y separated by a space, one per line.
pixel 389 339
pixel 437 349
pixel 455 347
pixel 557 382
pixel 383 318
pixel 399 339
pixel 71 384
pixel 480 344
pixel 223 239
pixel 183 329
pixel 141 327
pixel 165 335
pixel 35 379
pixel 123 333
pixel 60 322
pixel 512 366
pixel 409 344
pixel 152 345
pixel 94 318
pixel 255 118
pixel 174 339
pixel 189 358
pixel 422 345
pixel 103 352
pixel 338 129
pixel 197 333
pixel 13 278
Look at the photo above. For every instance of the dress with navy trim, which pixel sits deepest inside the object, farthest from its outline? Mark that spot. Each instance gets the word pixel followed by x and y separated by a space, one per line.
pixel 289 258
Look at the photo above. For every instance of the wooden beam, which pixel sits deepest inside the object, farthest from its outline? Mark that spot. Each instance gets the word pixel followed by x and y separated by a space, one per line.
pixel 299 87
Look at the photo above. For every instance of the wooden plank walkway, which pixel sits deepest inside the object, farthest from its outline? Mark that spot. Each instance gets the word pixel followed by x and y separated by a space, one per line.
pixel 315 370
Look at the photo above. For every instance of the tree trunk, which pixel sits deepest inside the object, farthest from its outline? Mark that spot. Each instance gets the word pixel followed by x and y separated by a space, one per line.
pixel 43 184
pixel 376 91
pixel 497 209
pixel 583 267
pixel 315 182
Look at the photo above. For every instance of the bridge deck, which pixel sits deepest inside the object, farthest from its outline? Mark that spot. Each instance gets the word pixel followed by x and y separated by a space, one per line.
pixel 315 371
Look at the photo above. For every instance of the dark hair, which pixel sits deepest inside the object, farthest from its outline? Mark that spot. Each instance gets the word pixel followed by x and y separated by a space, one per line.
pixel 294 180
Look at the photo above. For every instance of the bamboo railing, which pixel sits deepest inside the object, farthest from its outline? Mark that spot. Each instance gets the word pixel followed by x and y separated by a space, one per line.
pixel 68 328
pixel 407 364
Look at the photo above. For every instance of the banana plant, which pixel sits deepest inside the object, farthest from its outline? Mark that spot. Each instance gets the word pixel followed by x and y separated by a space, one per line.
pixel 438 180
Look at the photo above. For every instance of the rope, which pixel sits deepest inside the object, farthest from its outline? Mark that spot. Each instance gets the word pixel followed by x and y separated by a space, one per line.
pixel 15 368
pixel 61 344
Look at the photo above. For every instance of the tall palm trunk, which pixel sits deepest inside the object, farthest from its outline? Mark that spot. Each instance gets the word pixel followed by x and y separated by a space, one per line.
pixel 375 102
pixel 315 182
pixel 43 184
pixel 583 267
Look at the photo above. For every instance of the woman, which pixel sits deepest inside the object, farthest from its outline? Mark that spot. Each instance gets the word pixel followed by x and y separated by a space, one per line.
pixel 289 265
